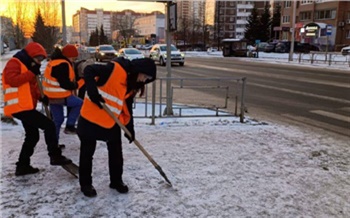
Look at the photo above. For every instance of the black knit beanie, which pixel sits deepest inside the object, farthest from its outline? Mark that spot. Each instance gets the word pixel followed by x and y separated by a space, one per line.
pixel 145 66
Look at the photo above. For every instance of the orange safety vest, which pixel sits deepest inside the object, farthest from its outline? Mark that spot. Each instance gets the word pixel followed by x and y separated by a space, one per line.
pixel 114 94
pixel 50 84
pixel 17 99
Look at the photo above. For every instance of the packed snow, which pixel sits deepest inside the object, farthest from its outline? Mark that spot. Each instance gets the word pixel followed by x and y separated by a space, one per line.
pixel 218 167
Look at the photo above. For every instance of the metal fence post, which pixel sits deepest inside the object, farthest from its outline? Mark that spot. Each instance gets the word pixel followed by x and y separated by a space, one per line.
pixel 153 102
pixel 242 100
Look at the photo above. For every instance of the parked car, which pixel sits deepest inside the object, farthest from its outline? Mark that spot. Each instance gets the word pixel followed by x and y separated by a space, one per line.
pixel 91 50
pixel 105 52
pixel 130 53
pixel 345 50
pixel 270 47
pixel 212 49
pixel 262 45
pixel 305 47
pixel 158 54
pixel 282 47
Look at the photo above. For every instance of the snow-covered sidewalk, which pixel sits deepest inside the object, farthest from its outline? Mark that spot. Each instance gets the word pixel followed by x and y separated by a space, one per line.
pixel 219 167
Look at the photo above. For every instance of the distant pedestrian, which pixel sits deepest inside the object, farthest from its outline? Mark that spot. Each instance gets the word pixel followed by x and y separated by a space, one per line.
pixel 60 84
pixel 21 94
pixel 115 84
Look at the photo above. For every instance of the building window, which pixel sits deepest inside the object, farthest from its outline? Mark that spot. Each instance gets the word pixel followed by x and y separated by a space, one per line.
pixel 348 34
pixel 285 19
pixel 305 15
pixel 287 4
pixel 325 14
pixel 304 2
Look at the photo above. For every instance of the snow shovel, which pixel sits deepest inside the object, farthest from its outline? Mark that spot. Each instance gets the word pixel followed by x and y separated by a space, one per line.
pixel 71 168
pixel 137 143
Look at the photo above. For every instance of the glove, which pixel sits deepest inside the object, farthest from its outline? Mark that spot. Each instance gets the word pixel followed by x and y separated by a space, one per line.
pixel 35 69
pixel 44 100
pixel 97 99
pixel 130 127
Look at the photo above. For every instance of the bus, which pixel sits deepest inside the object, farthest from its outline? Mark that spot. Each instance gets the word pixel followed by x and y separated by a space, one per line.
pixel 234 47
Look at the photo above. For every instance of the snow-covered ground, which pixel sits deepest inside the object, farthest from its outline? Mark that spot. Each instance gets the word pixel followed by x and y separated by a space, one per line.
pixel 219 167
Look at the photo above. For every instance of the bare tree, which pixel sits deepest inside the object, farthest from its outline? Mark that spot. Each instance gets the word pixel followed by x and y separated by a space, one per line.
pixel 23 14
pixel 18 10
pixel 125 27
pixel 50 11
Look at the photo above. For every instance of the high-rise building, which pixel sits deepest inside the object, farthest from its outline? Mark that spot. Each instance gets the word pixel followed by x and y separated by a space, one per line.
pixel 190 11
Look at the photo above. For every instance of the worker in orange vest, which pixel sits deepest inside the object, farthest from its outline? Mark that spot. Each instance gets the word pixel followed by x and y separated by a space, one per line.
pixel 114 84
pixel 60 84
pixel 21 94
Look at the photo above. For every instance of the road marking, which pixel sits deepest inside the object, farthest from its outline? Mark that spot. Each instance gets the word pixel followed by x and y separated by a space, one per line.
pixel 301 93
pixel 271 75
pixel 318 124
pixel 331 115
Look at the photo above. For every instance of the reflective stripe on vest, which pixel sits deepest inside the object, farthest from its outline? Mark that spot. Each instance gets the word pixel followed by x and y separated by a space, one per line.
pixel 16 99
pixel 51 86
pixel 112 108
pixel 113 92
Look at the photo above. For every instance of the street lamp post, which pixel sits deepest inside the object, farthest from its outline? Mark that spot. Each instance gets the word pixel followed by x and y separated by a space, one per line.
pixel 292 29
pixel 64 30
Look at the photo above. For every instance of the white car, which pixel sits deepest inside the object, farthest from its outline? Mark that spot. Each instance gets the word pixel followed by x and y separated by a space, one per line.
pixel 130 53
pixel 158 54
pixel 345 50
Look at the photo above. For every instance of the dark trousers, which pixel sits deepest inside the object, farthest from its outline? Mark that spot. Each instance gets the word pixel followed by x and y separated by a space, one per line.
pixel 88 134
pixel 32 121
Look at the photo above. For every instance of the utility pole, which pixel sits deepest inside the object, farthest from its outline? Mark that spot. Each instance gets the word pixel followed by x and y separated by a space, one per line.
pixel 64 30
pixel 292 29
pixel 170 16
pixel 169 106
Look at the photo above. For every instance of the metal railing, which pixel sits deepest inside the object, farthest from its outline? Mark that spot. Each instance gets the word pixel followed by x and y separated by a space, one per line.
pixel 195 94
pixel 324 57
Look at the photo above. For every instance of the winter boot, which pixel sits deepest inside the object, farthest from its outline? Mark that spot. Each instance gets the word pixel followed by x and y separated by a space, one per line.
pixel 26 169
pixel 59 160
pixel 70 130
pixel 119 186
pixel 88 191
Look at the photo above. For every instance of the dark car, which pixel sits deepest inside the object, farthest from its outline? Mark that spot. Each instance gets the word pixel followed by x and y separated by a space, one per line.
pixel 270 47
pixel 305 48
pixel 105 52
pixel 283 47
pixel 262 45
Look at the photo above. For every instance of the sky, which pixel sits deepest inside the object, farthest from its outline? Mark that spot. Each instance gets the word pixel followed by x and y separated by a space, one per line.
pixel 218 168
pixel 71 6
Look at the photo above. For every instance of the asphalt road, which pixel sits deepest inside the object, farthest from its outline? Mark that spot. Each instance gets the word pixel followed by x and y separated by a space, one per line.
pixel 292 94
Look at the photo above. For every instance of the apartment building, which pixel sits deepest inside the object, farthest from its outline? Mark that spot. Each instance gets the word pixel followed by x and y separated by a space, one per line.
pixel 86 21
pixel 152 27
pixel 314 18
pixel 231 17
pixel 190 11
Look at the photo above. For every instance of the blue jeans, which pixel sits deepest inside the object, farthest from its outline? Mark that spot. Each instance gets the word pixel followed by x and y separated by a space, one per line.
pixel 74 103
